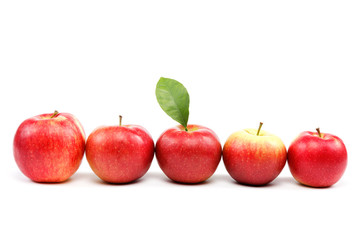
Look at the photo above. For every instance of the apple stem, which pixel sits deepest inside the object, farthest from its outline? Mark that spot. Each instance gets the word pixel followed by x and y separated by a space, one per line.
pixel 318 130
pixel 120 120
pixel 55 113
pixel 259 128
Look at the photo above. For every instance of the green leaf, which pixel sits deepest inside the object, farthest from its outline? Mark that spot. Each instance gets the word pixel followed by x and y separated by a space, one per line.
pixel 174 99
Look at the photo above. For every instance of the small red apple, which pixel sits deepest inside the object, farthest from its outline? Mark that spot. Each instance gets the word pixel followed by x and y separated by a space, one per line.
pixel 254 157
pixel 49 147
pixel 120 154
pixel 317 159
pixel 188 156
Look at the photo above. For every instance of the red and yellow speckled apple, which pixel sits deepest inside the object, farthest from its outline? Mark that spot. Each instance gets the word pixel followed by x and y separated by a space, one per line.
pixel 49 147
pixel 254 157
pixel 317 159
pixel 188 156
pixel 120 154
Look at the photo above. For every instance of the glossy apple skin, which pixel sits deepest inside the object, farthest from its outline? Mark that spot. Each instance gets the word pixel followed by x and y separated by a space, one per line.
pixel 49 149
pixel 120 154
pixel 188 156
pixel 252 159
pixel 317 161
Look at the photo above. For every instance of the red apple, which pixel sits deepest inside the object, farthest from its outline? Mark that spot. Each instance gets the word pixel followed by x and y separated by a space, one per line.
pixel 120 154
pixel 49 147
pixel 254 157
pixel 190 156
pixel 317 159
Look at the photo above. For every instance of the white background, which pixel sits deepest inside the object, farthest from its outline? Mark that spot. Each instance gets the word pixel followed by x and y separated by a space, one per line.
pixel 292 64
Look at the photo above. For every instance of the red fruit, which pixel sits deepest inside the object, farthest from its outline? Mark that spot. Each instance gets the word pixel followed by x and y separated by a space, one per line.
pixel 120 154
pixel 317 161
pixel 188 156
pixel 49 147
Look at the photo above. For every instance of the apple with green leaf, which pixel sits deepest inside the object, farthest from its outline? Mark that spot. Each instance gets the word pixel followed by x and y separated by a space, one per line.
pixel 317 159
pixel 253 156
pixel 185 153
pixel 120 154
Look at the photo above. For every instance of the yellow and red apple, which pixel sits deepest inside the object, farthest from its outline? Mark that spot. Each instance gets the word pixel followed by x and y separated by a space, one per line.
pixel 253 156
